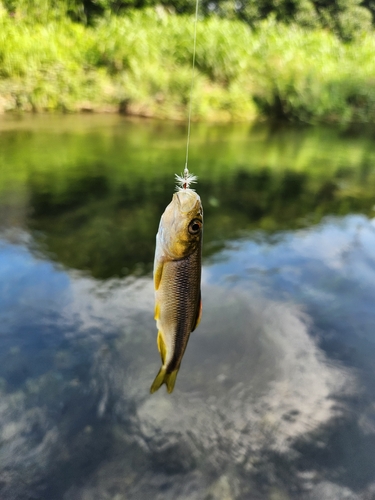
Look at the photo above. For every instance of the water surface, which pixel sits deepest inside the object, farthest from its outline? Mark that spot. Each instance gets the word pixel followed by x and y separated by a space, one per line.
pixel 275 397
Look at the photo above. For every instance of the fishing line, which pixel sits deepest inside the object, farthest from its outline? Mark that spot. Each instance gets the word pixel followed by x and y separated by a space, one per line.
pixel 186 171
pixel 177 280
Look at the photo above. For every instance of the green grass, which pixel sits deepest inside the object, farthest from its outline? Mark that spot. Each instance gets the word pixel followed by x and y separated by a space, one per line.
pixel 141 64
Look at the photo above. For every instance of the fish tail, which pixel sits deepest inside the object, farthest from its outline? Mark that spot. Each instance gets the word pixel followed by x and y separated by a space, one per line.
pixel 164 378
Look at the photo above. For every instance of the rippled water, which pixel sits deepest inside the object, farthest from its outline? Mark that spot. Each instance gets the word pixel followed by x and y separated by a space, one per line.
pixel 275 398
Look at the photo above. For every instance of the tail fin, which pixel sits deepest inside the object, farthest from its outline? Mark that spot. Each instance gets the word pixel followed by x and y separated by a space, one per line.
pixel 164 378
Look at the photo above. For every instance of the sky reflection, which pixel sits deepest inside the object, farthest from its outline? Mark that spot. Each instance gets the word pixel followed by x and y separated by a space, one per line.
pixel 274 395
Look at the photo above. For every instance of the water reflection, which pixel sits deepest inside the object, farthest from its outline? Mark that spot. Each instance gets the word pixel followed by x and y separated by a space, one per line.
pixel 115 226
pixel 260 411
pixel 101 183
pixel 275 396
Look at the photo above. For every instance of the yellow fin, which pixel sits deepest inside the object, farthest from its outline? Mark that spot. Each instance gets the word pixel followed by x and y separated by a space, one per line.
pixel 159 380
pixel 164 378
pixel 157 312
pixel 161 346
pixel 170 380
pixel 158 271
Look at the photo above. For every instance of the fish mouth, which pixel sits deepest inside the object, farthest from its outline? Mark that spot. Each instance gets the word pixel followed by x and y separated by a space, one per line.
pixel 186 199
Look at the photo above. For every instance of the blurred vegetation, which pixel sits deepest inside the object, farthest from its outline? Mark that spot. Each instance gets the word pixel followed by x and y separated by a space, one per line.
pixel 346 18
pixel 92 190
pixel 288 59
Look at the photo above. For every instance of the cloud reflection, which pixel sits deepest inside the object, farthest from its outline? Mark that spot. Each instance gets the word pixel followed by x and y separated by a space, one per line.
pixel 82 425
pixel 252 382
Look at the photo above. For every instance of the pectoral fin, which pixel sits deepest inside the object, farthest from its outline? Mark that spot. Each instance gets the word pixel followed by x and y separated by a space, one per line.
pixel 199 312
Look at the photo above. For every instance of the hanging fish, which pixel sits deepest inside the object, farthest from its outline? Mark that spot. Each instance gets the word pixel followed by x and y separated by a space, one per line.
pixel 177 278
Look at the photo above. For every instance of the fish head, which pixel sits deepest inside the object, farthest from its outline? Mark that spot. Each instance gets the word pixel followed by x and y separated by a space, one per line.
pixel 181 225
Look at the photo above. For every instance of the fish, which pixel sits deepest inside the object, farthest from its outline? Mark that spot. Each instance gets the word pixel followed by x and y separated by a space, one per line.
pixel 177 279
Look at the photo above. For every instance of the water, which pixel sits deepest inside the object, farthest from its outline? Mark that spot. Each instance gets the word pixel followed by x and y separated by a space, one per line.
pixel 275 397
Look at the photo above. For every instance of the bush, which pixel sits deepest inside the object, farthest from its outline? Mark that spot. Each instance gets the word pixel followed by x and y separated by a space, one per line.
pixel 141 64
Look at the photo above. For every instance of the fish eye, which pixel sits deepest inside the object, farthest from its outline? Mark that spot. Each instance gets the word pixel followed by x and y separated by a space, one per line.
pixel 195 226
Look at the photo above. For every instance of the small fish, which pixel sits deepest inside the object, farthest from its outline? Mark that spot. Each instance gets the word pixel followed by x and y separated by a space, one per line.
pixel 177 278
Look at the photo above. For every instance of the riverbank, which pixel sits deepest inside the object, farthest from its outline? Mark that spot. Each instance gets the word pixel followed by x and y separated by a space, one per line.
pixel 140 64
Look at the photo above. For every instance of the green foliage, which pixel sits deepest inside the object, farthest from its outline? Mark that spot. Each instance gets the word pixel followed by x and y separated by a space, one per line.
pixel 42 11
pixel 141 64
pixel 43 67
pixel 313 76
pixel 346 18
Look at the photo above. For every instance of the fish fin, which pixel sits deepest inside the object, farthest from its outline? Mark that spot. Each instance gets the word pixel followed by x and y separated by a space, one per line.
pixel 164 378
pixel 161 346
pixel 159 380
pixel 158 271
pixel 170 380
pixel 199 312
pixel 157 311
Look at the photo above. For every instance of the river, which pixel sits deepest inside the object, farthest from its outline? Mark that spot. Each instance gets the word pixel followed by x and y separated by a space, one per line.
pixel 275 398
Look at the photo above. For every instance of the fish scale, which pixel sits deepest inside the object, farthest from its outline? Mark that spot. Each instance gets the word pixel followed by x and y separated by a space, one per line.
pixel 186 309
